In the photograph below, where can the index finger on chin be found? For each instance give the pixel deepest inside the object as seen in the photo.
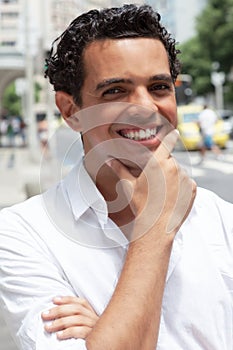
(167, 144)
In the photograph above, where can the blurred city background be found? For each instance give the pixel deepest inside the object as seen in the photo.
(29, 117)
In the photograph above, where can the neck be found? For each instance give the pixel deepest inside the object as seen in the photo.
(109, 186)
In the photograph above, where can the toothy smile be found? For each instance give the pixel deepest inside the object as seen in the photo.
(139, 134)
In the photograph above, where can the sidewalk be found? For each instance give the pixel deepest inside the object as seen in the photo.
(17, 170)
(7, 342)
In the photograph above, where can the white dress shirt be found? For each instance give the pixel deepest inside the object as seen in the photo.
(63, 243)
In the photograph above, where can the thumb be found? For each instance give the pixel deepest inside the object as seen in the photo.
(167, 144)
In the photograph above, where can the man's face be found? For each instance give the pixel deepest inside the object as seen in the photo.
(127, 85)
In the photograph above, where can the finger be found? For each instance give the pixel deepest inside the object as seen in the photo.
(59, 300)
(162, 152)
(74, 332)
(167, 145)
(67, 310)
(186, 196)
(72, 300)
(70, 321)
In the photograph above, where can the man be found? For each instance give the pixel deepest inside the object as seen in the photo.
(207, 120)
(125, 230)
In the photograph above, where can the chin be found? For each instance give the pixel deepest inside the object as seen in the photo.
(135, 168)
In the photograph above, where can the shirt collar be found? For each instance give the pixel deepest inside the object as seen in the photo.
(83, 194)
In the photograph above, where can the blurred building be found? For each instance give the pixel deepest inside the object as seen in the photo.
(180, 17)
(48, 18)
(30, 25)
(36, 23)
(10, 11)
(44, 16)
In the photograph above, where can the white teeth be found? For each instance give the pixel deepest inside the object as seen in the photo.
(142, 134)
(136, 135)
(148, 133)
(139, 135)
(131, 135)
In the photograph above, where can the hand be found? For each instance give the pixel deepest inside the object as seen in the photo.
(73, 317)
(162, 195)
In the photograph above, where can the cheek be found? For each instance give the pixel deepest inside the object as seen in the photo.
(169, 111)
(96, 135)
(174, 120)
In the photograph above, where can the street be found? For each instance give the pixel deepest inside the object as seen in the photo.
(217, 176)
(213, 174)
(17, 170)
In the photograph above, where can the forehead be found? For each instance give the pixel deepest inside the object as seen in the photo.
(116, 57)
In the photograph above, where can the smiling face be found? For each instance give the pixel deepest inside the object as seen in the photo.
(134, 71)
(128, 99)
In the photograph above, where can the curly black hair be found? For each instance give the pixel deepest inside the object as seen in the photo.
(65, 67)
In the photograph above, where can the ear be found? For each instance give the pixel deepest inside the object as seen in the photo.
(69, 110)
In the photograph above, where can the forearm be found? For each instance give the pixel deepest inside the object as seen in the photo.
(131, 320)
(162, 198)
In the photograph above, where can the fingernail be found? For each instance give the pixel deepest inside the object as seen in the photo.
(60, 334)
(57, 299)
(46, 312)
(48, 326)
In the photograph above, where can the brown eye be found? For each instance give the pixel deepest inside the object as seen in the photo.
(112, 91)
(160, 87)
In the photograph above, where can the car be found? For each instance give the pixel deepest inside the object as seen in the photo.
(190, 136)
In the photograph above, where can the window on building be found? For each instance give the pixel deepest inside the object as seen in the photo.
(6, 43)
(8, 27)
(9, 14)
(8, 1)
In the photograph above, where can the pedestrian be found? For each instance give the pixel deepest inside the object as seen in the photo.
(125, 252)
(23, 127)
(207, 120)
(10, 132)
(42, 129)
(1, 133)
(3, 130)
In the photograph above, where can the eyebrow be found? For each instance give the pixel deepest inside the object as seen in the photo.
(164, 77)
(105, 83)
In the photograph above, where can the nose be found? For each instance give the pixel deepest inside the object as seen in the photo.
(141, 105)
(142, 97)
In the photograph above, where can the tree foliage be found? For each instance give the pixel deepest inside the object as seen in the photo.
(11, 101)
(212, 43)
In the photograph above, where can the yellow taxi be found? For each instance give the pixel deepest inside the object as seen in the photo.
(189, 130)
